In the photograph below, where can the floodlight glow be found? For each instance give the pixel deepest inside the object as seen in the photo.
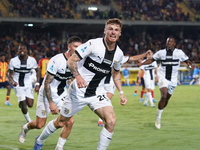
(92, 8)
(30, 25)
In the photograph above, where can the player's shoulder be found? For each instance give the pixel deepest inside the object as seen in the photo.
(178, 50)
(59, 58)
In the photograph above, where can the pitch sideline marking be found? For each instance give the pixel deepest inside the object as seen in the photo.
(3, 146)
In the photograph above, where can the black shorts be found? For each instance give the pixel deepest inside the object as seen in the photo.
(4, 84)
(142, 81)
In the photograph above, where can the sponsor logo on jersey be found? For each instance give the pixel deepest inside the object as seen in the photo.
(106, 61)
(149, 68)
(23, 66)
(168, 57)
(98, 68)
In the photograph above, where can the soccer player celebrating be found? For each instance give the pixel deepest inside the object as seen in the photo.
(3, 81)
(53, 91)
(150, 72)
(98, 57)
(170, 58)
(21, 66)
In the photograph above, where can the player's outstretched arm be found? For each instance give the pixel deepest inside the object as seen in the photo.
(149, 61)
(137, 57)
(72, 65)
(117, 80)
(189, 63)
(49, 78)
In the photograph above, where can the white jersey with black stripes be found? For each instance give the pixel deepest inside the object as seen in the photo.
(170, 63)
(97, 62)
(22, 70)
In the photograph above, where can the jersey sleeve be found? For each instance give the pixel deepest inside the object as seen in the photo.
(117, 65)
(35, 65)
(52, 66)
(125, 59)
(11, 65)
(156, 56)
(84, 49)
(184, 57)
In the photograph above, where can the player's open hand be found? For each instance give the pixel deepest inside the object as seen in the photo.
(36, 89)
(53, 108)
(123, 99)
(149, 52)
(81, 82)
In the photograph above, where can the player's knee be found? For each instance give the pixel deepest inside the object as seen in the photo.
(70, 123)
(39, 126)
(163, 97)
(111, 121)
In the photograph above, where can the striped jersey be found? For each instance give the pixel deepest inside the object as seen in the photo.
(149, 70)
(22, 70)
(43, 66)
(170, 62)
(97, 62)
(3, 70)
(57, 67)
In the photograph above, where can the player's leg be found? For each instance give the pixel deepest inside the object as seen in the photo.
(50, 128)
(108, 115)
(136, 87)
(7, 85)
(64, 133)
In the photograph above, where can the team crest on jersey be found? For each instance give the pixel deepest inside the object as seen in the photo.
(43, 112)
(83, 49)
(115, 62)
(28, 65)
(175, 56)
(66, 111)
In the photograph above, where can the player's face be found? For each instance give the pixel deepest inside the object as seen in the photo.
(170, 43)
(22, 50)
(112, 32)
(73, 46)
(2, 58)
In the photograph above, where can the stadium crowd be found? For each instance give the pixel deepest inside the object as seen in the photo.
(131, 43)
(129, 10)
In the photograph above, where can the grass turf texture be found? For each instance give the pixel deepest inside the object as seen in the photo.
(180, 124)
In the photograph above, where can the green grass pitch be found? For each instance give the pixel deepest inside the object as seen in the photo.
(134, 130)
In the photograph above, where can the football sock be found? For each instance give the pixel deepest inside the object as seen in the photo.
(142, 93)
(104, 139)
(7, 97)
(150, 98)
(152, 94)
(25, 127)
(61, 142)
(100, 120)
(48, 130)
(27, 117)
(135, 92)
(159, 113)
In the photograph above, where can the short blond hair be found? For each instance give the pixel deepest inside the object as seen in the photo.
(114, 21)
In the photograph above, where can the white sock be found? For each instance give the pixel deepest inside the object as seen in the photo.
(150, 98)
(61, 142)
(27, 117)
(48, 130)
(25, 127)
(159, 113)
(100, 120)
(146, 100)
(104, 139)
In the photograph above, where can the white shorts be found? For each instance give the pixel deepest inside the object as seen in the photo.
(162, 82)
(76, 102)
(195, 76)
(23, 92)
(42, 109)
(110, 88)
(149, 84)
